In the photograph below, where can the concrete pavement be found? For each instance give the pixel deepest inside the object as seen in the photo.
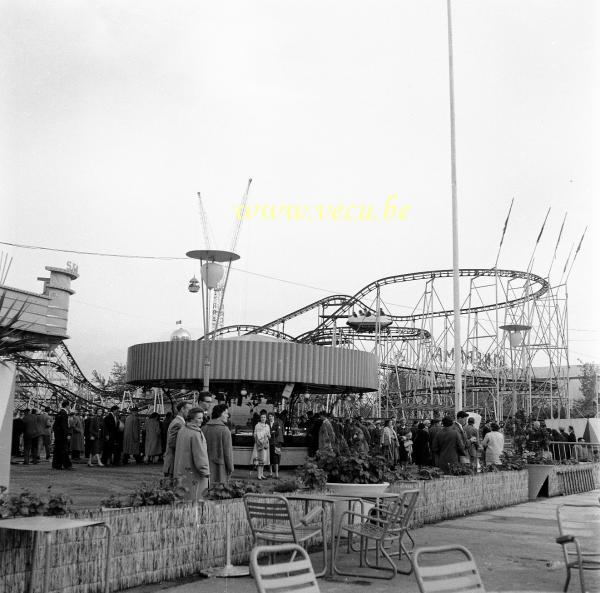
(514, 549)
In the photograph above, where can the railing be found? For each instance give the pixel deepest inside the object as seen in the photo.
(562, 450)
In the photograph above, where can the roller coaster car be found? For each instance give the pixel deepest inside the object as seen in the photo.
(368, 323)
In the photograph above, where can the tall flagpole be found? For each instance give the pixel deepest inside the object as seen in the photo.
(458, 403)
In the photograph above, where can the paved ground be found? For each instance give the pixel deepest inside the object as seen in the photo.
(514, 549)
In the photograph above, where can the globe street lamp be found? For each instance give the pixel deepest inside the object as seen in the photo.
(516, 333)
(211, 272)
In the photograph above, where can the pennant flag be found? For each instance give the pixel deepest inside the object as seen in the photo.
(543, 225)
(581, 241)
(562, 226)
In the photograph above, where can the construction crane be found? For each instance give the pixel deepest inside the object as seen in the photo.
(218, 311)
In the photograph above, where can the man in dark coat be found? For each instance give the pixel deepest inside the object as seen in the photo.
(111, 438)
(312, 433)
(434, 428)
(448, 445)
(31, 437)
(219, 445)
(60, 458)
(459, 426)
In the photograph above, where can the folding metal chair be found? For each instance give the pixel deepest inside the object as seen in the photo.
(294, 574)
(456, 577)
(271, 522)
(579, 536)
(384, 525)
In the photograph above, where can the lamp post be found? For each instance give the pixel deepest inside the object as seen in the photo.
(516, 333)
(211, 272)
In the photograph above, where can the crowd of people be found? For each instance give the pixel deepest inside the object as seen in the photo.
(197, 449)
(194, 449)
(440, 442)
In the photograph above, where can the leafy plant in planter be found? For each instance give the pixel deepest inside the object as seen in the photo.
(112, 502)
(165, 491)
(287, 486)
(233, 489)
(460, 469)
(311, 475)
(354, 468)
(30, 504)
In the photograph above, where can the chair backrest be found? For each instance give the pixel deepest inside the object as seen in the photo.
(268, 509)
(456, 577)
(399, 513)
(583, 522)
(295, 573)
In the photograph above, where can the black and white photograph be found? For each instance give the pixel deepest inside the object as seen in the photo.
(299, 297)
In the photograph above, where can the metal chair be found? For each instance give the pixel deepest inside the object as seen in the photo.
(272, 522)
(456, 577)
(384, 525)
(295, 574)
(579, 536)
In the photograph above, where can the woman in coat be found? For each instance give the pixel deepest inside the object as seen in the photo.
(76, 426)
(389, 443)
(219, 445)
(153, 442)
(190, 467)
(96, 437)
(260, 453)
(131, 435)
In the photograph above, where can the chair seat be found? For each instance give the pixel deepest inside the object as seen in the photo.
(278, 533)
(369, 530)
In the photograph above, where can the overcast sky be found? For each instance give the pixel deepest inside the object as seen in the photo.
(114, 114)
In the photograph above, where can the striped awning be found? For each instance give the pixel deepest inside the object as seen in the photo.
(316, 368)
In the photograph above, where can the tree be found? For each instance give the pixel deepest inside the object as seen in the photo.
(116, 379)
(589, 389)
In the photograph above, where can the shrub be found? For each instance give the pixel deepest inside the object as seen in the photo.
(233, 489)
(164, 491)
(30, 504)
(287, 486)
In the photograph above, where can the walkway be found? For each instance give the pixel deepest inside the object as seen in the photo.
(514, 548)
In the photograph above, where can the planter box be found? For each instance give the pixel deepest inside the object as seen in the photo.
(456, 496)
(545, 480)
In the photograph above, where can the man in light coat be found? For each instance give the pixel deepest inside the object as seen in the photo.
(472, 435)
(219, 445)
(191, 467)
(182, 409)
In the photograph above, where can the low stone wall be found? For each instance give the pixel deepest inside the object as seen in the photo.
(456, 496)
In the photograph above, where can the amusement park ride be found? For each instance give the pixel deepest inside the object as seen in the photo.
(514, 353)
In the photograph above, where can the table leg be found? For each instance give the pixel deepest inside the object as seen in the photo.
(332, 545)
(34, 560)
(48, 541)
(107, 559)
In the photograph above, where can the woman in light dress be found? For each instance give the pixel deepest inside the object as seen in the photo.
(493, 445)
(260, 453)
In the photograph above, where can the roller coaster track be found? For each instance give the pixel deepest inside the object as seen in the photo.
(247, 330)
(72, 384)
(430, 275)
